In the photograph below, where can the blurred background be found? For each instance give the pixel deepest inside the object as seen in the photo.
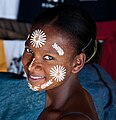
(16, 17)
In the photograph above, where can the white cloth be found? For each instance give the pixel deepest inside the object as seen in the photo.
(9, 9)
(13, 53)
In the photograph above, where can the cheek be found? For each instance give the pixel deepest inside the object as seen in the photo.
(56, 75)
(26, 60)
(23, 60)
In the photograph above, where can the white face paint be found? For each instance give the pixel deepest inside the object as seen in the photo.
(38, 38)
(29, 68)
(43, 86)
(28, 36)
(58, 49)
(58, 73)
(35, 88)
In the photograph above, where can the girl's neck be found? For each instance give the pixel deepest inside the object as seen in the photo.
(57, 97)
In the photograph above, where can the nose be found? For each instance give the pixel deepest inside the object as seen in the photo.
(35, 65)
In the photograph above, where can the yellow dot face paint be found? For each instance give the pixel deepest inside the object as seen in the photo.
(38, 38)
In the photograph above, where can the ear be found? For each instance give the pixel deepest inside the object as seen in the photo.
(78, 62)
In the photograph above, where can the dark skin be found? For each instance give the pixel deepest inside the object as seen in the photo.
(65, 96)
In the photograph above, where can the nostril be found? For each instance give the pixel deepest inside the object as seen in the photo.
(35, 67)
(38, 67)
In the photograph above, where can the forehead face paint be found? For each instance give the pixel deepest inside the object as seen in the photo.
(38, 38)
(28, 36)
(58, 73)
(58, 49)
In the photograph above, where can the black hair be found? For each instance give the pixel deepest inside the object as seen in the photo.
(75, 22)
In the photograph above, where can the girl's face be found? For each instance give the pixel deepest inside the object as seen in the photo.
(47, 59)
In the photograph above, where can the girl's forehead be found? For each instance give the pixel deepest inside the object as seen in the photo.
(49, 38)
(50, 35)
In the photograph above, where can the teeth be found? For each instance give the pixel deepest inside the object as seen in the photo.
(37, 77)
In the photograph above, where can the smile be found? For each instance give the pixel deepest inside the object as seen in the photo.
(37, 77)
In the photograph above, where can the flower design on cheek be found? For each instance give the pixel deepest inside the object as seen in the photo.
(38, 38)
(58, 73)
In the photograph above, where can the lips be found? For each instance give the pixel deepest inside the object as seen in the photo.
(36, 78)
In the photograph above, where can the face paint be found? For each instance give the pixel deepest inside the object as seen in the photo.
(35, 88)
(29, 68)
(58, 73)
(43, 86)
(38, 38)
(28, 36)
(58, 49)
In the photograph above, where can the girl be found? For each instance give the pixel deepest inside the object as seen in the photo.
(61, 41)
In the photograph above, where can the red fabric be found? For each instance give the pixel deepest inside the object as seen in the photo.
(106, 31)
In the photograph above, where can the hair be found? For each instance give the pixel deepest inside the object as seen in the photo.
(76, 23)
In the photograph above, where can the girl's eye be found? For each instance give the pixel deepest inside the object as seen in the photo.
(47, 57)
(28, 50)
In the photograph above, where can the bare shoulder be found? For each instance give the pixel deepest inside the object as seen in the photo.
(75, 117)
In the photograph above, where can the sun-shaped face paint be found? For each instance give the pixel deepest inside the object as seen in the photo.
(58, 73)
(38, 38)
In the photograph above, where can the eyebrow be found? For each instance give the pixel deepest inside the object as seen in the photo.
(51, 51)
(47, 51)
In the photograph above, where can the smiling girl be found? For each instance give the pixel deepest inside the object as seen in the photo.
(61, 41)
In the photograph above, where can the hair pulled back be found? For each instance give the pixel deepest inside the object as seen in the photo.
(76, 23)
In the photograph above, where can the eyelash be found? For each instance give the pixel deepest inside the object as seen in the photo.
(28, 50)
(48, 57)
